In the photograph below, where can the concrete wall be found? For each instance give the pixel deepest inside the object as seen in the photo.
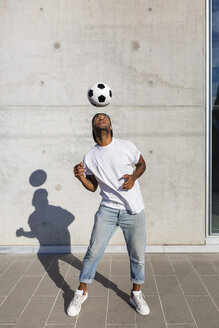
(152, 54)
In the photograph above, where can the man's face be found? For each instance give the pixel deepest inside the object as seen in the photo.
(102, 122)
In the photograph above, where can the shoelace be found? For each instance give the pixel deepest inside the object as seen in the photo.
(140, 299)
(76, 300)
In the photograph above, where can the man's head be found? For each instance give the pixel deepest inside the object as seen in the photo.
(40, 198)
(101, 121)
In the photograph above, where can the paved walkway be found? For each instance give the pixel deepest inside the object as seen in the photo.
(182, 291)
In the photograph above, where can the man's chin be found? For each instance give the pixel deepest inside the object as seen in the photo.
(102, 128)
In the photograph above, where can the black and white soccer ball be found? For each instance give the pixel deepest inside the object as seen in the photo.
(99, 94)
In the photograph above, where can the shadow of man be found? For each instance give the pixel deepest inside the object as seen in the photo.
(49, 224)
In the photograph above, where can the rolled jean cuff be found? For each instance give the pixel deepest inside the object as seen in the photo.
(139, 282)
(86, 281)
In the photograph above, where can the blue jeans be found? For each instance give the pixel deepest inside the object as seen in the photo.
(106, 222)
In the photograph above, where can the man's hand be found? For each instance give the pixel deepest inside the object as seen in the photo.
(88, 181)
(130, 179)
(129, 182)
(20, 232)
(79, 171)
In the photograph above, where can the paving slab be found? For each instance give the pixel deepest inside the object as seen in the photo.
(20, 257)
(40, 265)
(2, 298)
(99, 286)
(189, 280)
(155, 319)
(182, 326)
(149, 287)
(212, 256)
(120, 326)
(161, 264)
(93, 313)
(177, 257)
(58, 313)
(36, 313)
(11, 276)
(4, 264)
(174, 304)
(216, 265)
(17, 300)
(104, 265)
(120, 265)
(202, 264)
(212, 285)
(53, 280)
(119, 309)
(75, 267)
(204, 311)
(61, 326)
(40, 292)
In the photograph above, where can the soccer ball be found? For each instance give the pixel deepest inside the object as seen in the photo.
(99, 94)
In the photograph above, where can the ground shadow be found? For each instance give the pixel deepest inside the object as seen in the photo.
(49, 224)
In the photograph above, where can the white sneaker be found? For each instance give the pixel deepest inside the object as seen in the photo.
(75, 306)
(137, 300)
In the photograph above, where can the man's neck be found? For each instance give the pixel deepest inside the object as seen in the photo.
(103, 139)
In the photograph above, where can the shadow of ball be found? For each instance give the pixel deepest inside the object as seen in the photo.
(38, 178)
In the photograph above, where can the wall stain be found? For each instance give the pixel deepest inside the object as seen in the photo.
(56, 45)
(135, 45)
(58, 187)
(156, 80)
(150, 83)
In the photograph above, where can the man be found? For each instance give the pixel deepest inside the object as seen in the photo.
(109, 164)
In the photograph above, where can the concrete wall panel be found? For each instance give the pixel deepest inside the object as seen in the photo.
(55, 139)
(151, 53)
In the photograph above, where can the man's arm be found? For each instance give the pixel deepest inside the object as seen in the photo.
(29, 234)
(130, 179)
(89, 182)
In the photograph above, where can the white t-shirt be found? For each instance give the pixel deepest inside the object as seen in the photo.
(108, 164)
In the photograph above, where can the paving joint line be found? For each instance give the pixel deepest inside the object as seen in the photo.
(4, 297)
(181, 324)
(107, 302)
(17, 282)
(30, 299)
(7, 268)
(204, 285)
(121, 324)
(183, 292)
(59, 324)
(56, 297)
(35, 288)
(165, 275)
(161, 305)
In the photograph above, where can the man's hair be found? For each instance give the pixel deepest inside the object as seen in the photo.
(94, 137)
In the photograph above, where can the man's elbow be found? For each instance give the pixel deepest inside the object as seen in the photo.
(144, 166)
(95, 188)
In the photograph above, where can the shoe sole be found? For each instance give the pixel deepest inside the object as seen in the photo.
(74, 315)
(134, 305)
